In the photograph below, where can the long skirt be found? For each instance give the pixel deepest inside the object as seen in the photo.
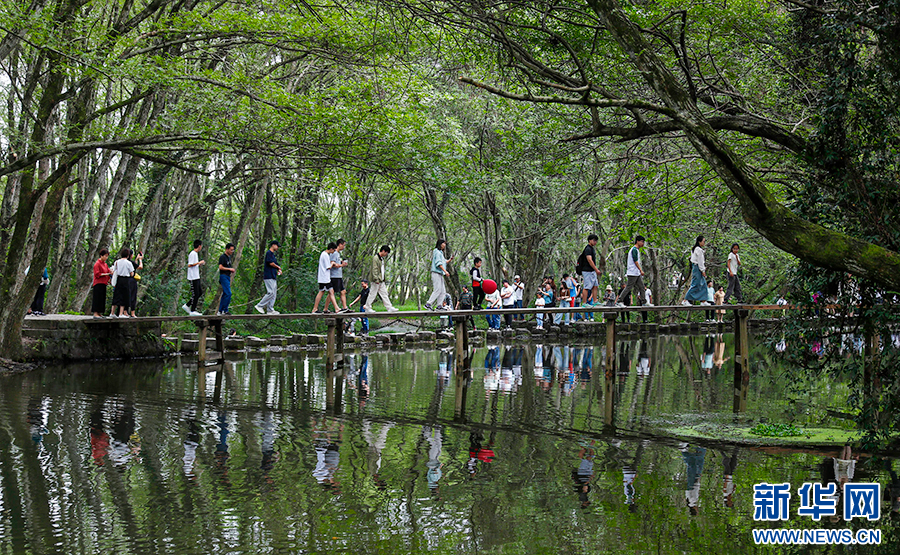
(122, 292)
(98, 300)
(698, 291)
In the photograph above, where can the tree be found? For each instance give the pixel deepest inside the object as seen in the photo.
(669, 77)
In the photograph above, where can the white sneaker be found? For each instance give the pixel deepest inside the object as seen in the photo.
(185, 308)
(260, 309)
(686, 303)
(620, 305)
(195, 313)
(706, 303)
(369, 310)
(393, 309)
(275, 312)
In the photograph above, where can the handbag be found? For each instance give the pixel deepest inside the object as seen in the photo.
(115, 276)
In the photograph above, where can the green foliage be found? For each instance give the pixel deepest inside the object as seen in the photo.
(766, 429)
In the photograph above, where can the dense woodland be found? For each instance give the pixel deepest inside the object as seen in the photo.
(512, 129)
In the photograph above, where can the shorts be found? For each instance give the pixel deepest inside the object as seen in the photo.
(324, 287)
(590, 280)
(337, 283)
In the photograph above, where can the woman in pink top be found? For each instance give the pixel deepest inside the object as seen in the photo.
(101, 280)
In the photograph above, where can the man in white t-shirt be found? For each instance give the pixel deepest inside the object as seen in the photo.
(634, 272)
(193, 275)
(324, 278)
(519, 296)
(734, 284)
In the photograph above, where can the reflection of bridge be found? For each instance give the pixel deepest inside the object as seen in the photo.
(335, 336)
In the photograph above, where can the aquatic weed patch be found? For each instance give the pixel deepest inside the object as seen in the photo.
(776, 430)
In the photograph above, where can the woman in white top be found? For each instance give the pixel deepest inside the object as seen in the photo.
(123, 273)
(697, 292)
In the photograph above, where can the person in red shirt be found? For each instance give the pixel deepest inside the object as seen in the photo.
(101, 280)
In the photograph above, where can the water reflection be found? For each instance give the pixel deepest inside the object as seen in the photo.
(283, 455)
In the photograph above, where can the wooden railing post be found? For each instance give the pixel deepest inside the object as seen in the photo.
(220, 339)
(201, 344)
(741, 359)
(330, 343)
(462, 341)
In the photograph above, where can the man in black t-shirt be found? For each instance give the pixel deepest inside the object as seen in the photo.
(590, 274)
(226, 274)
(361, 299)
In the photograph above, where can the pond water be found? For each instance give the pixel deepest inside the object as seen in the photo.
(534, 450)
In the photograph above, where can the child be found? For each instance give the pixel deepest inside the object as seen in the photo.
(363, 297)
(477, 291)
(720, 300)
(539, 303)
(710, 297)
(563, 302)
(465, 303)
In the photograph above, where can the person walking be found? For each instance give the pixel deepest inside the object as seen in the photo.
(377, 281)
(326, 264)
(337, 276)
(101, 281)
(226, 274)
(697, 291)
(271, 271)
(634, 274)
(590, 274)
(123, 274)
(361, 299)
(477, 280)
(193, 275)
(508, 300)
(710, 298)
(438, 273)
(734, 284)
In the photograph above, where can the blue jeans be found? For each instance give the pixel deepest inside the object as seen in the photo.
(518, 304)
(225, 282)
(365, 321)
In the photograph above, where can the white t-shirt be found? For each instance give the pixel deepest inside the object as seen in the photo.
(511, 299)
(733, 261)
(633, 269)
(493, 299)
(324, 275)
(699, 258)
(123, 267)
(648, 297)
(520, 290)
(193, 271)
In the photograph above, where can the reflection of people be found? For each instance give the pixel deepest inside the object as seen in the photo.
(376, 445)
(893, 490)
(221, 455)
(583, 475)
(269, 456)
(327, 453)
(99, 438)
(125, 442)
(728, 466)
(643, 367)
(433, 437)
(694, 458)
(708, 351)
(845, 466)
(191, 442)
(478, 453)
(719, 357)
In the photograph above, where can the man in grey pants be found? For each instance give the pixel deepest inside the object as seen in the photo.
(634, 273)
(271, 271)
